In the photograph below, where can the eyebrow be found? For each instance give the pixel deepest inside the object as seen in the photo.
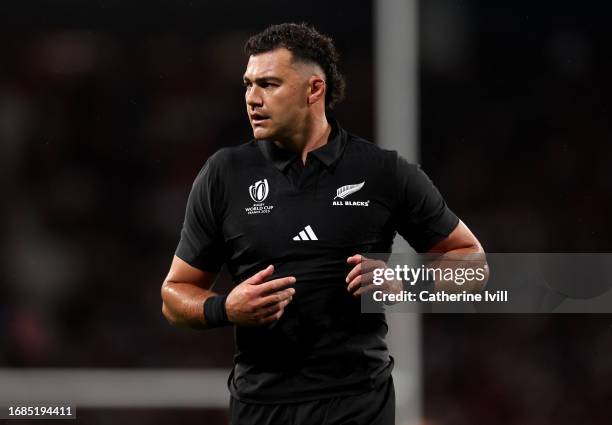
(264, 79)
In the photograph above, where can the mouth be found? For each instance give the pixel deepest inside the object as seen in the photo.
(258, 119)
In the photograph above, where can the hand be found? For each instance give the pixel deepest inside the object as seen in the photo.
(361, 278)
(256, 302)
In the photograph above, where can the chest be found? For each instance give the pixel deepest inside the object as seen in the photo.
(314, 211)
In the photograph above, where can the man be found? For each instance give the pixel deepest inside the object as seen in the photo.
(290, 212)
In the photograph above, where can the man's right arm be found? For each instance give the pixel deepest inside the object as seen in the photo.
(256, 301)
(183, 294)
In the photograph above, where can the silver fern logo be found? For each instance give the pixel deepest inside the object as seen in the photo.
(343, 192)
(259, 190)
(347, 190)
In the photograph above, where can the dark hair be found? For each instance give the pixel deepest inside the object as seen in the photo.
(306, 44)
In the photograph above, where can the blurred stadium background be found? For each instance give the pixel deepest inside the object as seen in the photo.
(107, 112)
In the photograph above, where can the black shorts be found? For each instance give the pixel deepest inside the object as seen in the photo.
(376, 407)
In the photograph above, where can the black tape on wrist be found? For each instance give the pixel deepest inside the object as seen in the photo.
(214, 311)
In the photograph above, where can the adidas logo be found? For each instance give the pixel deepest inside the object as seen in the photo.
(306, 235)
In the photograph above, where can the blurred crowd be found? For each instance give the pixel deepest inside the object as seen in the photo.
(515, 129)
(102, 133)
(102, 138)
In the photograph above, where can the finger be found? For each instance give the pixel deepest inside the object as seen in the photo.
(276, 284)
(365, 290)
(275, 298)
(354, 259)
(361, 280)
(355, 271)
(272, 318)
(273, 309)
(365, 266)
(370, 265)
(261, 276)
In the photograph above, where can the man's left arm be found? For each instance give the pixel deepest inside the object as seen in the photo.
(422, 217)
(460, 249)
(460, 241)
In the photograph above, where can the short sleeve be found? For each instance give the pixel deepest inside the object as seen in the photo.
(422, 216)
(201, 243)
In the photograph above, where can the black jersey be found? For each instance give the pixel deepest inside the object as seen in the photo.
(257, 204)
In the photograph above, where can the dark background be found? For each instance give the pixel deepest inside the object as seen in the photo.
(108, 111)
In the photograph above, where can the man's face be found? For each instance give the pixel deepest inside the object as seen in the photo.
(276, 95)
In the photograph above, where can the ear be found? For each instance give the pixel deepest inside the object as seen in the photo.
(317, 88)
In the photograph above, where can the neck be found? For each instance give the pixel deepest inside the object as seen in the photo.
(313, 136)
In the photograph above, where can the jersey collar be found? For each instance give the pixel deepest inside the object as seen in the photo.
(328, 154)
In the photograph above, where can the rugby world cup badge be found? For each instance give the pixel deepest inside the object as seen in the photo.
(258, 192)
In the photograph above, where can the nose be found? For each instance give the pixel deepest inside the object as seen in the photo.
(253, 97)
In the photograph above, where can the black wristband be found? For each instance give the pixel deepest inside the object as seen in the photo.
(214, 311)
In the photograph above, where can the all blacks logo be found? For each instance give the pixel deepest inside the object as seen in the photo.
(259, 192)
